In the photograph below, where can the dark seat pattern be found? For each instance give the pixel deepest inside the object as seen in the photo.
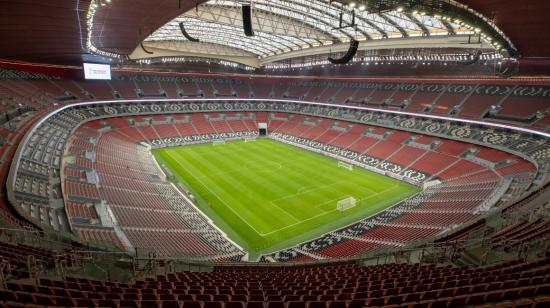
(522, 284)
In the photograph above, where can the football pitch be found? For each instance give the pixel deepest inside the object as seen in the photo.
(267, 195)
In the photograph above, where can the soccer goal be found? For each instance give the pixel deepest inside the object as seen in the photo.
(251, 139)
(345, 204)
(218, 142)
(344, 165)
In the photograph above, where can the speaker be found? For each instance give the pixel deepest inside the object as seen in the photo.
(145, 50)
(187, 36)
(353, 46)
(247, 20)
(474, 58)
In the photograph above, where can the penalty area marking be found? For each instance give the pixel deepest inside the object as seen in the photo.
(215, 195)
(327, 212)
(285, 227)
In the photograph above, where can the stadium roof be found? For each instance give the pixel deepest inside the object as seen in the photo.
(290, 27)
(61, 31)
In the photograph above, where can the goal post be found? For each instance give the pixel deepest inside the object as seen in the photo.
(250, 139)
(344, 165)
(218, 142)
(346, 204)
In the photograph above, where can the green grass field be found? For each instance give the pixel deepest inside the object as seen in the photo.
(268, 195)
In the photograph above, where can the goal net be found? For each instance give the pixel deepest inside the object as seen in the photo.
(344, 165)
(345, 204)
(218, 142)
(252, 139)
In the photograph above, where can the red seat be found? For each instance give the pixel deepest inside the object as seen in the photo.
(90, 303)
(191, 304)
(337, 304)
(476, 299)
(233, 304)
(150, 304)
(185, 297)
(493, 296)
(24, 298)
(393, 300)
(306, 298)
(7, 296)
(439, 303)
(316, 304)
(459, 301)
(253, 304)
(296, 304)
(541, 302)
(277, 304)
(523, 303)
(238, 298)
(93, 295)
(106, 303)
(543, 290)
(413, 297)
(149, 297)
(171, 304)
(212, 304)
(379, 301)
(64, 302)
(167, 297)
(327, 298)
(221, 297)
(130, 296)
(357, 303)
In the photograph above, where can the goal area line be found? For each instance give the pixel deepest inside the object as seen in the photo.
(345, 165)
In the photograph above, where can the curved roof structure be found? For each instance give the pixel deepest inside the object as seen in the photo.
(61, 32)
(285, 29)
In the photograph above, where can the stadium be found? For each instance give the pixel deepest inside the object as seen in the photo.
(274, 154)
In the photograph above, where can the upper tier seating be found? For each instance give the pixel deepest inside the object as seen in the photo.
(463, 100)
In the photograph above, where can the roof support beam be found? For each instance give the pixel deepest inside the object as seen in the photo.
(396, 25)
(450, 28)
(425, 31)
(275, 26)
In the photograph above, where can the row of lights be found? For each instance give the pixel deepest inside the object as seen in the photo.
(194, 60)
(477, 30)
(376, 60)
(361, 7)
(92, 11)
(95, 4)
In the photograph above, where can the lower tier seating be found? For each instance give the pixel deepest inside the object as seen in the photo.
(511, 284)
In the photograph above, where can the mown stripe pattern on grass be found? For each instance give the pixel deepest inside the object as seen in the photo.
(268, 195)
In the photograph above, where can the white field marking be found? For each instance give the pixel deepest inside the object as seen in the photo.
(307, 189)
(211, 153)
(246, 166)
(285, 227)
(227, 205)
(324, 213)
(287, 213)
(318, 206)
(274, 202)
(217, 197)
